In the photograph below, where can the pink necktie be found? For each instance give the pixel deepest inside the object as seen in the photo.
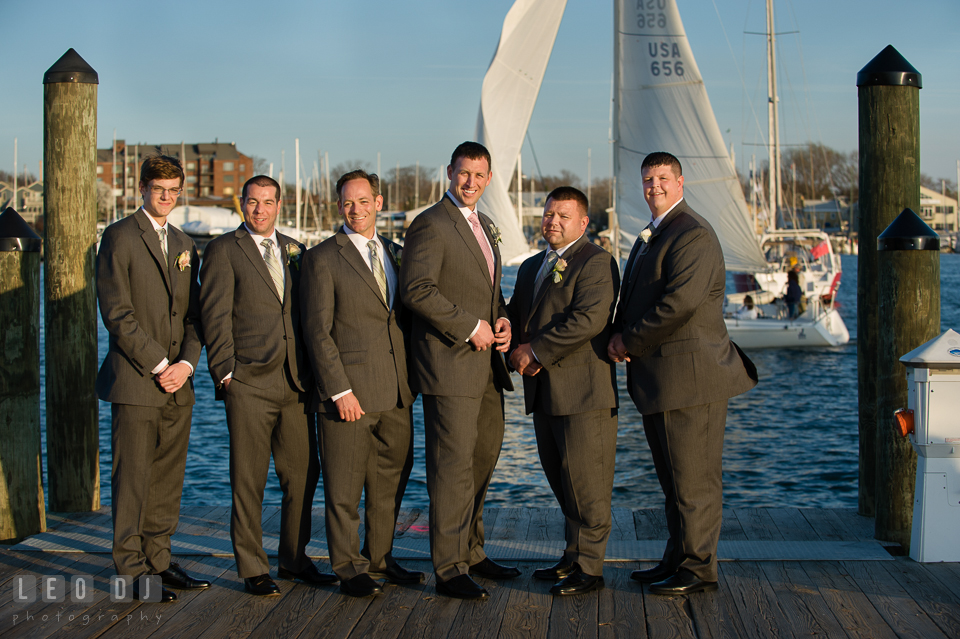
(482, 239)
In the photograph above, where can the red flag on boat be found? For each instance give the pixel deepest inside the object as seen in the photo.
(820, 250)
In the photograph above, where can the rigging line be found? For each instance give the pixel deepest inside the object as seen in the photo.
(535, 160)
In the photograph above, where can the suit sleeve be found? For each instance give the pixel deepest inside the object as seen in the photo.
(686, 288)
(589, 311)
(116, 304)
(317, 309)
(423, 258)
(192, 327)
(217, 283)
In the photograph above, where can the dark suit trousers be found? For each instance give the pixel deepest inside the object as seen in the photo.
(373, 454)
(463, 438)
(149, 456)
(261, 421)
(687, 447)
(577, 453)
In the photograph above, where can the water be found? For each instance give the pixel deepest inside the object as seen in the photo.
(792, 441)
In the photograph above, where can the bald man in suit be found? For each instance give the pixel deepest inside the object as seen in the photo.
(450, 280)
(250, 304)
(355, 329)
(148, 294)
(681, 370)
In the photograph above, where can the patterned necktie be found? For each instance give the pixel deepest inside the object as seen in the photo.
(162, 232)
(378, 273)
(273, 265)
(474, 220)
(552, 257)
(643, 249)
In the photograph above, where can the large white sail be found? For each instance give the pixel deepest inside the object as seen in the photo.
(661, 104)
(509, 94)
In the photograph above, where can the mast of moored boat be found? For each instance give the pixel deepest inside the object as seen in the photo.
(773, 122)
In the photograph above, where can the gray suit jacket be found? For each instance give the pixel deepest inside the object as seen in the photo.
(671, 317)
(150, 308)
(567, 324)
(249, 330)
(354, 340)
(445, 282)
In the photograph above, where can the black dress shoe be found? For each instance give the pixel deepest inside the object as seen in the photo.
(682, 583)
(653, 575)
(360, 586)
(397, 574)
(492, 570)
(462, 587)
(555, 573)
(577, 583)
(261, 585)
(166, 596)
(176, 577)
(309, 575)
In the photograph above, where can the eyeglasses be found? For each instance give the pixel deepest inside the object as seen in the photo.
(159, 190)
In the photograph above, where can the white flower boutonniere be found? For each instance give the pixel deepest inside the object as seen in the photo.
(645, 235)
(395, 252)
(183, 260)
(496, 235)
(293, 255)
(558, 270)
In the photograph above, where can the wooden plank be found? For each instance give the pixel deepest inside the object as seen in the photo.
(512, 523)
(433, 615)
(215, 522)
(714, 613)
(621, 611)
(651, 523)
(420, 528)
(862, 528)
(948, 574)
(730, 528)
(847, 603)
(940, 603)
(892, 601)
(792, 525)
(194, 521)
(575, 616)
(755, 600)
(318, 522)
(802, 604)
(827, 524)
(482, 619)
(667, 617)
(757, 524)
(91, 522)
(623, 525)
(295, 611)
(390, 612)
(243, 612)
(527, 609)
(546, 524)
(336, 617)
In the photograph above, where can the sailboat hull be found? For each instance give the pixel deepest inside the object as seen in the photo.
(827, 329)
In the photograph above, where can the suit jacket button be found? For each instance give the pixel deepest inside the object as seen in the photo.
(174, 343)
(174, 313)
(391, 351)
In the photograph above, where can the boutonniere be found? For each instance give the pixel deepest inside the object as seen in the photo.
(558, 269)
(645, 235)
(293, 255)
(183, 260)
(395, 252)
(496, 235)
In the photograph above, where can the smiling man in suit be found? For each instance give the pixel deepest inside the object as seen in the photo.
(355, 330)
(450, 280)
(561, 311)
(148, 294)
(249, 297)
(681, 370)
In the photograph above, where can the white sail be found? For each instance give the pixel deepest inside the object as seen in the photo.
(509, 94)
(661, 104)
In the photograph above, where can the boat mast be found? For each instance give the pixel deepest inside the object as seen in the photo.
(773, 123)
(615, 135)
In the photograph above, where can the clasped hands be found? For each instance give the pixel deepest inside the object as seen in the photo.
(485, 337)
(616, 349)
(173, 377)
(523, 361)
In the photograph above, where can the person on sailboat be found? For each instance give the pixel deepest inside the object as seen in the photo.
(748, 311)
(794, 295)
(681, 370)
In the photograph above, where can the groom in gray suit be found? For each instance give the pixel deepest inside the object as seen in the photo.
(681, 370)
(148, 294)
(355, 328)
(450, 279)
(249, 298)
(561, 311)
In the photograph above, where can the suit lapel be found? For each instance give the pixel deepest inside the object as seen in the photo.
(352, 256)
(391, 260)
(569, 255)
(469, 239)
(252, 251)
(152, 241)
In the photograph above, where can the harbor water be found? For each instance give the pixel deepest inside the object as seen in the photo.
(792, 441)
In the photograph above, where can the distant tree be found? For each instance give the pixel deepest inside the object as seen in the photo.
(260, 166)
(935, 185)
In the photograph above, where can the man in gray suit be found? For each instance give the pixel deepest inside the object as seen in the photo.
(249, 299)
(355, 330)
(148, 294)
(450, 279)
(682, 368)
(561, 310)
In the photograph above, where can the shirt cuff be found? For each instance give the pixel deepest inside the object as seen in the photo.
(534, 353)
(227, 376)
(474, 331)
(189, 365)
(343, 394)
(159, 367)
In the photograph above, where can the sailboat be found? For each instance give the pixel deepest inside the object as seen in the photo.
(661, 104)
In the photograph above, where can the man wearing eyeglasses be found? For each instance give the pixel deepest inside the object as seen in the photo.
(149, 301)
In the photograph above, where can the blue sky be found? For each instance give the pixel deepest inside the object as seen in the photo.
(403, 78)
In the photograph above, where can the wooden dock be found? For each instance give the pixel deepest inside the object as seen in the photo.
(884, 596)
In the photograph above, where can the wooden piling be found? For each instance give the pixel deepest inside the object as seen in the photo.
(22, 511)
(70, 218)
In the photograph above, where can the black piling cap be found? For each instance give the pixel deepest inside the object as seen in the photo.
(889, 69)
(71, 68)
(16, 235)
(908, 233)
